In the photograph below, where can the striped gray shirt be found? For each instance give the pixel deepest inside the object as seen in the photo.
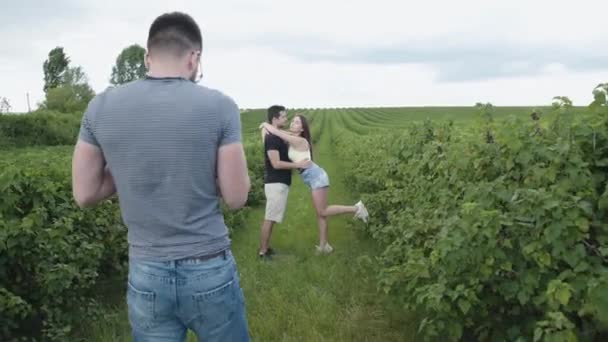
(160, 138)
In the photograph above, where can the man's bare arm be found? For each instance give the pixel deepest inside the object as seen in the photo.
(92, 181)
(232, 175)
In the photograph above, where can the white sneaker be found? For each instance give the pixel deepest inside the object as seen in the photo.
(325, 249)
(361, 212)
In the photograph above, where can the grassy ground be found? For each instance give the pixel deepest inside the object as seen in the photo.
(299, 296)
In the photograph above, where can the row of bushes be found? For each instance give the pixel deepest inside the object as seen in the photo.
(496, 232)
(53, 254)
(42, 128)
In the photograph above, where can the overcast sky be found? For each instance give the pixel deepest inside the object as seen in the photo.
(326, 53)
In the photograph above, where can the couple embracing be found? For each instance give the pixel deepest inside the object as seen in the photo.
(283, 152)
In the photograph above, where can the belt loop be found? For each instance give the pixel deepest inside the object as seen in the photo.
(225, 254)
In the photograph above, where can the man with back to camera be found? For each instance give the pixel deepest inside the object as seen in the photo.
(277, 178)
(170, 149)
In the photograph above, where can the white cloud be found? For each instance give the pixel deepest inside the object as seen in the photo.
(554, 68)
(382, 52)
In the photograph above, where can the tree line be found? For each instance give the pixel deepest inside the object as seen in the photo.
(67, 87)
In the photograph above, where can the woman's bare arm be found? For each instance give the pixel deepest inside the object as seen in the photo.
(298, 143)
(263, 132)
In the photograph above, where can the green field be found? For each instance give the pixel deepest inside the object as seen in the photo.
(483, 225)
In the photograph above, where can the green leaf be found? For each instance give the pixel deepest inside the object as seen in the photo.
(507, 266)
(582, 267)
(586, 207)
(522, 297)
(603, 202)
(583, 224)
(464, 305)
(538, 334)
(551, 204)
(563, 295)
(510, 164)
(544, 258)
(553, 232)
(558, 292)
(490, 260)
(598, 303)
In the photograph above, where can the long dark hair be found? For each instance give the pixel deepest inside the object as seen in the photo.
(306, 132)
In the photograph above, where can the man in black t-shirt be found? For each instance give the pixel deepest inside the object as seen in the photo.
(277, 177)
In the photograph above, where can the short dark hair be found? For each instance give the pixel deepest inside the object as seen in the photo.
(175, 32)
(274, 112)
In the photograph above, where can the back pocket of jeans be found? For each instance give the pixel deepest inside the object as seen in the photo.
(141, 306)
(217, 306)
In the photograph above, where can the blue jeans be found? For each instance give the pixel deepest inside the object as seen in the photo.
(165, 299)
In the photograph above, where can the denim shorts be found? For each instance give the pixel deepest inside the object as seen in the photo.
(166, 298)
(315, 177)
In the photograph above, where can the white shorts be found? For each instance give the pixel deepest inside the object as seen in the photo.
(276, 201)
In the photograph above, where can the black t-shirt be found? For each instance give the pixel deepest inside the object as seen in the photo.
(272, 175)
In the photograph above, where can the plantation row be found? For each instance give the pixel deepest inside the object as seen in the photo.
(495, 230)
(53, 254)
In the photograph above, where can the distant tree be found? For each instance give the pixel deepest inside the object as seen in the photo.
(561, 102)
(72, 95)
(5, 106)
(54, 68)
(600, 96)
(73, 76)
(129, 66)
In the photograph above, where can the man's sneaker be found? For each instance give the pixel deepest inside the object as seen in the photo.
(325, 249)
(270, 251)
(361, 212)
(267, 255)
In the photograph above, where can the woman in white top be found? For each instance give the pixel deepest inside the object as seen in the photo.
(300, 148)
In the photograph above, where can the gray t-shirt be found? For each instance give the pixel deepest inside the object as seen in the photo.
(160, 138)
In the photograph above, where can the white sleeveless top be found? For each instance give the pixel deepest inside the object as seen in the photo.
(297, 156)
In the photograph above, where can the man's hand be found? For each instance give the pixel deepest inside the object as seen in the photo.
(304, 164)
